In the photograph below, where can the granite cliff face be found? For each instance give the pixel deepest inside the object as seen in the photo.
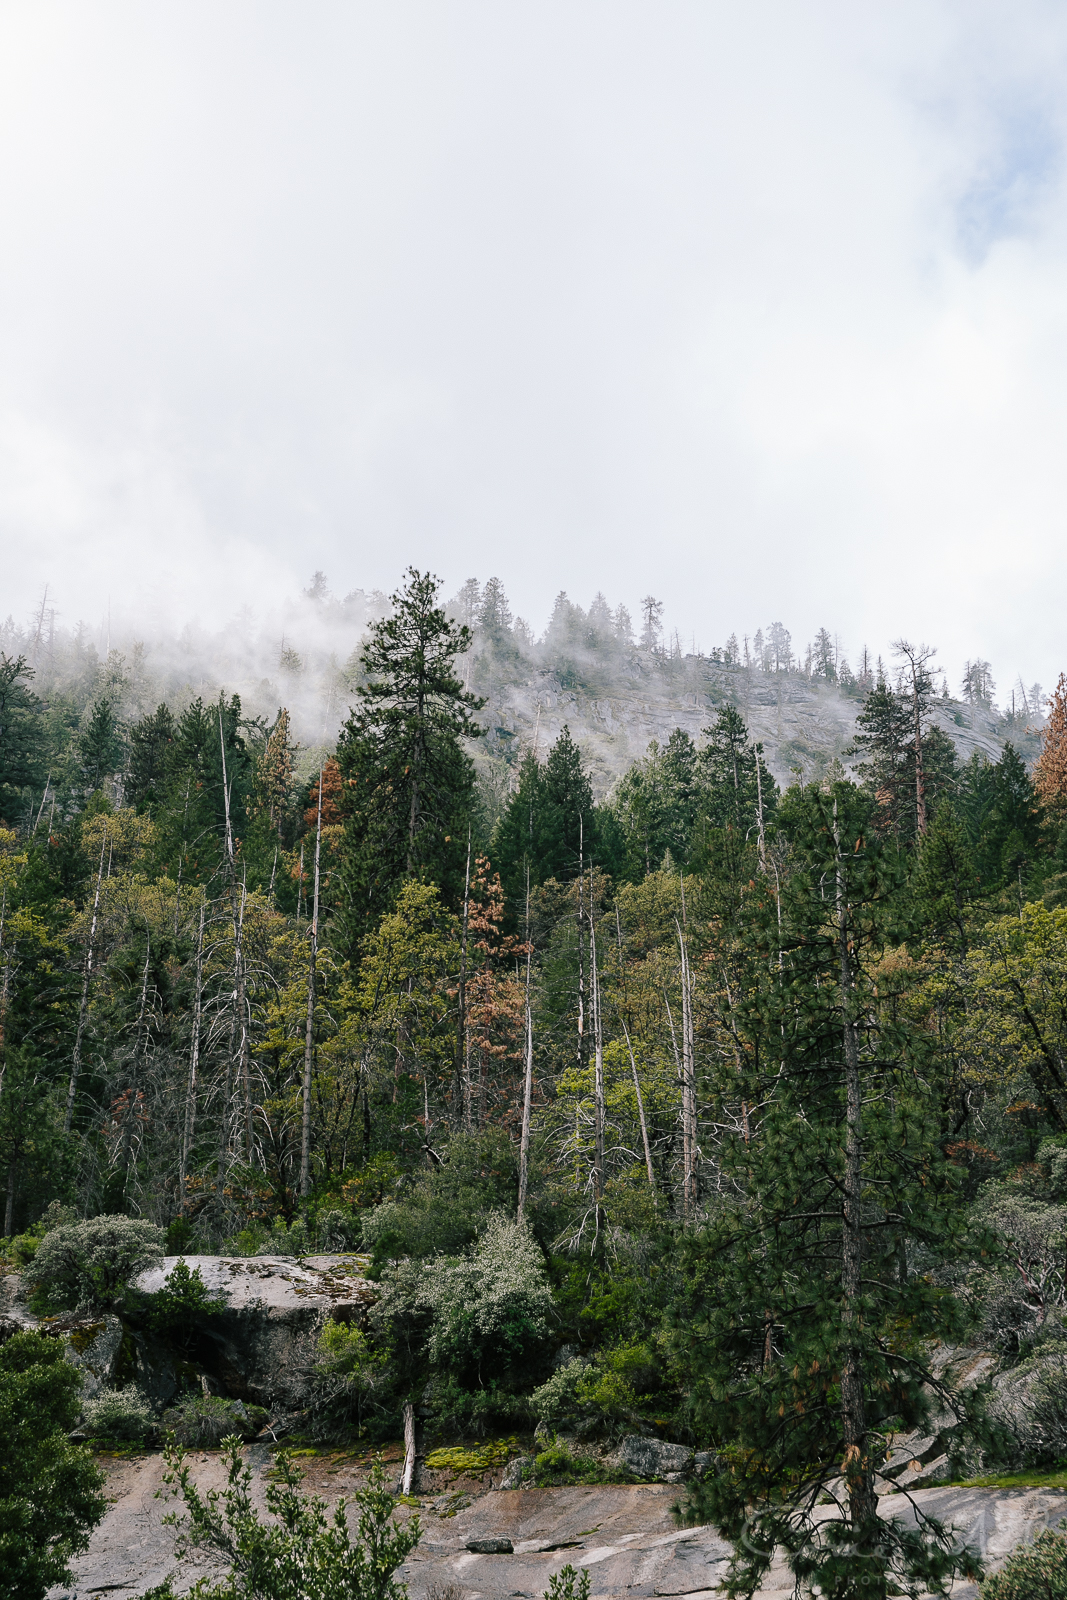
(614, 711)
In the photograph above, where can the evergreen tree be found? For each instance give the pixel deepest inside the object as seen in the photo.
(21, 740)
(655, 806)
(804, 1332)
(99, 748)
(1003, 820)
(151, 746)
(409, 782)
(567, 822)
(734, 779)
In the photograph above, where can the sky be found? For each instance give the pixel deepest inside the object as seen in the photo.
(761, 309)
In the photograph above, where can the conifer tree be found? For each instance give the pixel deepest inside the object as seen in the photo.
(408, 778)
(20, 737)
(804, 1332)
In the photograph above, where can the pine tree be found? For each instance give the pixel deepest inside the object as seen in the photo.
(151, 746)
(21, 742)
(734, 781)
(408, 779)
(99, 748)
(803, 1335)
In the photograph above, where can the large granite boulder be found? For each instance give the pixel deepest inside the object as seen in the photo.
(261, 1346)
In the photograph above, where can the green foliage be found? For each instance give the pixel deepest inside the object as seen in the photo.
(556, 1466)
(408, 781)
(444, 1208)
(50, 1490)
(21, 737)
(183, 1304)
(301, 1553)
(569, 1584)
(124, 1414)
(486, 1313)
(82, 1265)
(204, 1420)
(775, 1315)
(1036, 1572)
(351, 1375)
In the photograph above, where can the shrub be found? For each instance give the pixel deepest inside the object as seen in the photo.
(50, 1490)
(302, 1552)
(350, 1372)
(182, 1305)
(556, 1402)
(119, 1414)
(1036, 1572)
(85, 1265)
(444, 1209)
(205, 1420)
(569, 1584)
(595, 1396)
(556, 1465)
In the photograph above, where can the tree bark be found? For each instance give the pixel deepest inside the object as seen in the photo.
(83, 1010)
(856, 1467)
(194, 1066)
(309, 1036)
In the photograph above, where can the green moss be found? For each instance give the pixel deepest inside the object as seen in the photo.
(82, 1338)
(474, 1459)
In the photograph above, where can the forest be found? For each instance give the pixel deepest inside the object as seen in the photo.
(739, 1097)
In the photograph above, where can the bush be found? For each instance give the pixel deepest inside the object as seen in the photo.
(20, 1250)
(86, 1265)
(569, 1584)
(444, 1209)
(1036, 1572)
(182, 1305)
(205, 1420)
(119, 1414)
(556, 1402)
(302, 1552)
(596, 1397)
(50, 1490)
(556, 1465)
(349, 1375)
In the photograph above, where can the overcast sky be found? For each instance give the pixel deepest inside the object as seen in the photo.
(759, 307)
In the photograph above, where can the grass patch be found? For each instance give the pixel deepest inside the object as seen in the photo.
(1056, 1479)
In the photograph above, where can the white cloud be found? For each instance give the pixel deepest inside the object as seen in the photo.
(762, 308)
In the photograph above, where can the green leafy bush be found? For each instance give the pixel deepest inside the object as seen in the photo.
(50, 1490)
(85, 1265)
(182, 1305)
(556, 1465)
(1036, 1572)
(443, 1210)
(350, 1375)
(124, 1414)
(203, 1421)
(20, 1249)
(484, 1315)
(302, 1551)
(569, 1584)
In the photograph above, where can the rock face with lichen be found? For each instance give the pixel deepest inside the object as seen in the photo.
(261, 1346)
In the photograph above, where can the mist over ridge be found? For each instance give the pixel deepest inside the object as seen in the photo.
(617, 681)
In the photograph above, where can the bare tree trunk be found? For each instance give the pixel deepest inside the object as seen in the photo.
(407, 1481)
(135, 1083)
(581, 946)
(856, 1467)
(762, 837)
(83, 1010)
(244, 1043)
(688, 1082)
(598, 1093)
(463, 1088)
(641, 1113)
(309, 1038)
(194, 1066)
(527, 1099)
